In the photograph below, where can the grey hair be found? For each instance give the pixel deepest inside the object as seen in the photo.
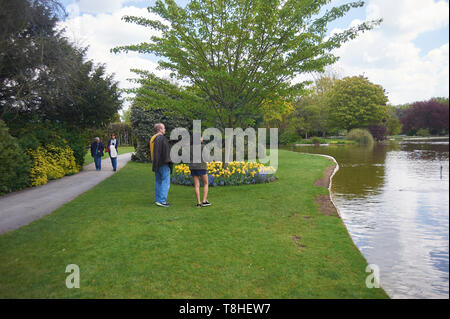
(97, 138)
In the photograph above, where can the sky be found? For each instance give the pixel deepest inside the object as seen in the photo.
(408, 54)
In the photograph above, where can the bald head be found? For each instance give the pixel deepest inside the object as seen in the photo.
(160, 128)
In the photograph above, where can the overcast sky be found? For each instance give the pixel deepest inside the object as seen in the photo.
(407, 55)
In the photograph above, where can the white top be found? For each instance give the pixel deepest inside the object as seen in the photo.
(112, 148)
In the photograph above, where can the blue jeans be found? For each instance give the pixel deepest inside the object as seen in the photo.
(113, 162)
(162, 184)
(98, 162)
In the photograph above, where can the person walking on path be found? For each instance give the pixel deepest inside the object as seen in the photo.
(199, 170)
(97, 153)
(162, 165)
(113, 151)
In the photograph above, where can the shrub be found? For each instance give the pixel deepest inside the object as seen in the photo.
(235, 173)
(14, 163)
(378, 132)
(51, 162)
(423, 132)
(316, 140)
(431, 115)
(143, 122)
(288, 138)
(35, 135)
(360, 136)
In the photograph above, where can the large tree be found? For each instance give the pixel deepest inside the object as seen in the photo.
(431, 115)
(239, 53)
(44, 77)
(355, 102)
(29, 51)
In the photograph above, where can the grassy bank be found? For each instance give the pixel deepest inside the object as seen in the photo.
(333, 141)
(122, 150)
(256, 241)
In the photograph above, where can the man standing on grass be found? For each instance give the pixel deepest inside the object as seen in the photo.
(162, 165)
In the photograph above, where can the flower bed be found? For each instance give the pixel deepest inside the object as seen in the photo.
(235, 173)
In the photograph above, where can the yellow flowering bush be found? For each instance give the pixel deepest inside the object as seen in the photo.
(220, 174)
(51, 162)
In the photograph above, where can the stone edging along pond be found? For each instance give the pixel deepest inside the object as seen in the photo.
(327, 182)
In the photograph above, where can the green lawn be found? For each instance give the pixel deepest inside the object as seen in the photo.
(325, 141)
(122, 150)
(256, 241)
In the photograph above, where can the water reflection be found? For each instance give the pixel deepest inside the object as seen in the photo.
(394, 201)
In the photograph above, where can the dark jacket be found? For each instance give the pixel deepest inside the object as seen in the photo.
(100, 149)
(161, 153)
(197, 166)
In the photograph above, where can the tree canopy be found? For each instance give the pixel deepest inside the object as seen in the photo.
(431, 115)
(238, 53)
(355, 102)
(44, 77)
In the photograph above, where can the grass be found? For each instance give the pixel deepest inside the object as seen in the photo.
(334, 141)
(256, 241)
(122, 150)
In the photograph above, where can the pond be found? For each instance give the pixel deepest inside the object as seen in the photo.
(394, 199)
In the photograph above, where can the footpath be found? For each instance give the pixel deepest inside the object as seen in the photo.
(21, 208)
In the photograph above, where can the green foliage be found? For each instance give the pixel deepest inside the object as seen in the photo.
(288, 137)
(361, 136)
(238, 53)
(143, 121)
(35, 135)
(313, 107)
(157, 93)
(392, 122)
(316, 140)
(124, 134)
(423, 132)
(14, 163)
(443, 100)
(356, 102)
(45, 78)
(126, 116)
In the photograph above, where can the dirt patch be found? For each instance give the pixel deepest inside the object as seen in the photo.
(325, 180)
(296, 240)
(324, 202)
(326, 206)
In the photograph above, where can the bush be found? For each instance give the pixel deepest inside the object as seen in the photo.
(288, 138)
(423, 132)
(51, 162)
(378, 132)
(316, 140)
(36, 135)
(14, 163)
(431, 115)
(143, 122)
(360, 136)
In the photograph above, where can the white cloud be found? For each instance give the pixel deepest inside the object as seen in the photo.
(97, 6)
(388, 55)
(104, 31)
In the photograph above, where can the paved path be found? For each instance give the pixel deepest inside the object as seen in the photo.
(21, 208)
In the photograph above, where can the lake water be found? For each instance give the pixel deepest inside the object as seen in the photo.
(395, 203)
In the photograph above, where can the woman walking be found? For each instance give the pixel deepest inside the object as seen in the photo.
(199, 170)
(113, 151)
